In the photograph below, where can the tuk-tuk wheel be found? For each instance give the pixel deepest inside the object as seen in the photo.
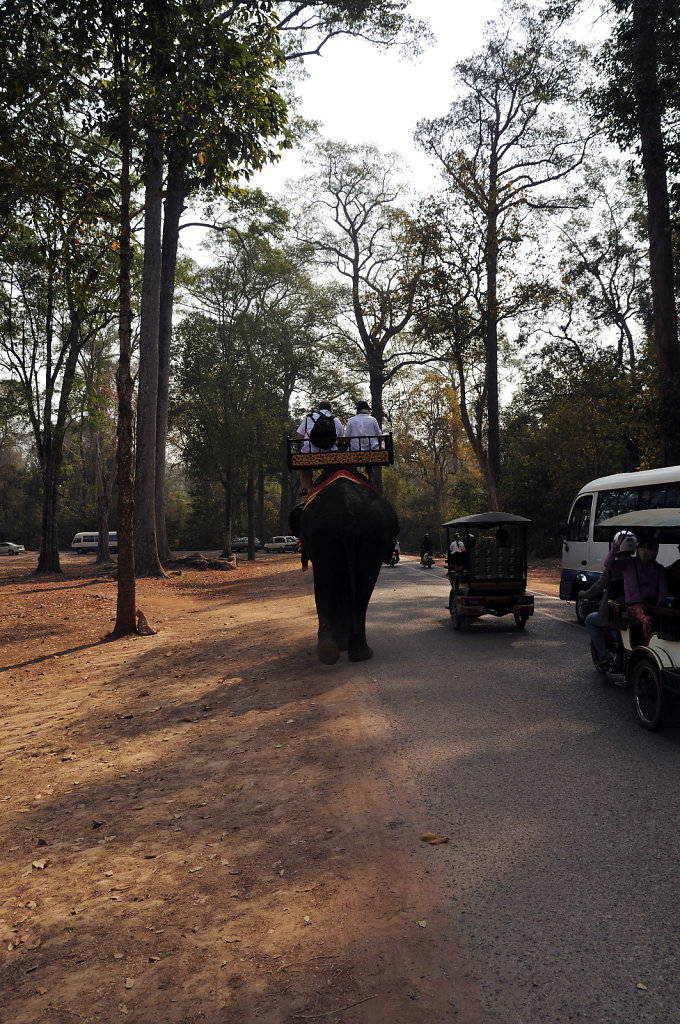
(647, 694)
(602, 669)
(458, 621)
(520, 620)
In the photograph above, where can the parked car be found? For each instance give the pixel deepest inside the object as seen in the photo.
(281, 544)
(8, 547)
(241, 543)
(83, 542)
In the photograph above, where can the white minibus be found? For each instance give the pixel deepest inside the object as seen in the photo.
(84, 542)
(585, 542)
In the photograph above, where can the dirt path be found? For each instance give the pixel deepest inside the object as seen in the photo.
(196, 825)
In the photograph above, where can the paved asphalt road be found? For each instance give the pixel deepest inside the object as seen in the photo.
(562, 868)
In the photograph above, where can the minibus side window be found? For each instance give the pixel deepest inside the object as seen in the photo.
(579, 521)
(607, 506)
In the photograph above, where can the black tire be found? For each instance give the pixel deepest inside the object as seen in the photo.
(520, 620)
(581, 608)
(602, 669)
(82, 551)
(456, 619)
(647, 694)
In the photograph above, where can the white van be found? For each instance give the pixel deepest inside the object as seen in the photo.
(585, 542)
(84, 542)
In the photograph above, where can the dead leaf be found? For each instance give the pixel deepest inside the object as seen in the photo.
(642, 987)
(231, 938)
(40, 865)
(129, 982)
(422, 924)
(433, 839)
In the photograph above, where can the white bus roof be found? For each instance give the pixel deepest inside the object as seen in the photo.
(666, 475)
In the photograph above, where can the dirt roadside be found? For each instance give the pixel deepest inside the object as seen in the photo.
(197, 825)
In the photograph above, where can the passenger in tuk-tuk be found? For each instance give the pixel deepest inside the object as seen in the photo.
(644, 579)
(458, 560)
(457, 551)
(673, 574)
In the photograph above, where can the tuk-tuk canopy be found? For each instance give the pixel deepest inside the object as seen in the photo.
(649, 518)
(486, 519)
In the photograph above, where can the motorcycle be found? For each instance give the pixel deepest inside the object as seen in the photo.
(394, 557)
(426, 560)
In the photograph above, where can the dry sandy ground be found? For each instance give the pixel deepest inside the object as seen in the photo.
(196, 825)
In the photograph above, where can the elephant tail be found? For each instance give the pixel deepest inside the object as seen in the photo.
(353, 553)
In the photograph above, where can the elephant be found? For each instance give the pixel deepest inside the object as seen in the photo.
(347, 530)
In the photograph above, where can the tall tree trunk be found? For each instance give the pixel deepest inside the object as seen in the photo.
(53, 453)
(259, 528)
(493, 473)
(227, 485)
(648, 101)
(102, 484)
(174, 207)
(376, 384)
(125, 609)
(250, 511)
(48, 559)
(147, 562)
(286, 498)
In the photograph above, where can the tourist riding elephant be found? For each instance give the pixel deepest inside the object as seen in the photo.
(348, 530)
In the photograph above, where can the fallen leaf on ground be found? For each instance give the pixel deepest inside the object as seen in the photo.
(433, 839)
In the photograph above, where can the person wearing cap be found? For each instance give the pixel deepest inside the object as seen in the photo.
(362, 433)
(303, 431)
(644, 579)
(363, 430)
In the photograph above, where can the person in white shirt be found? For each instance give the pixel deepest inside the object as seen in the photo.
(363, 430)
(325, 409)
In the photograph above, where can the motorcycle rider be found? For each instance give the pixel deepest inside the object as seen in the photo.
(425, 549)
(598, 622)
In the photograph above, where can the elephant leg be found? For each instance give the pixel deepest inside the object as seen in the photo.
(332, 612)
(358, 649)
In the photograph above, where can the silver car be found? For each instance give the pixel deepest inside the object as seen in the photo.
(281, 544)
(7, 547)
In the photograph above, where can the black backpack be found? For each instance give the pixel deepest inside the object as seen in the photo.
(323, 434)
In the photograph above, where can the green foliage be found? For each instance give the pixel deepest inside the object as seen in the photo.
(568, 423)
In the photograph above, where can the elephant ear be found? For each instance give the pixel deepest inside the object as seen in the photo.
(294, 518)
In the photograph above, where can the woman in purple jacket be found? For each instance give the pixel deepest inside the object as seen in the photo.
(644, 579)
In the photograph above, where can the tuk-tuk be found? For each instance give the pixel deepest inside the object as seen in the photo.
(651, 669)
(490, 576)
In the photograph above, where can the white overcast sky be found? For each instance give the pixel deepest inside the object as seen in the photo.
(363, 95)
